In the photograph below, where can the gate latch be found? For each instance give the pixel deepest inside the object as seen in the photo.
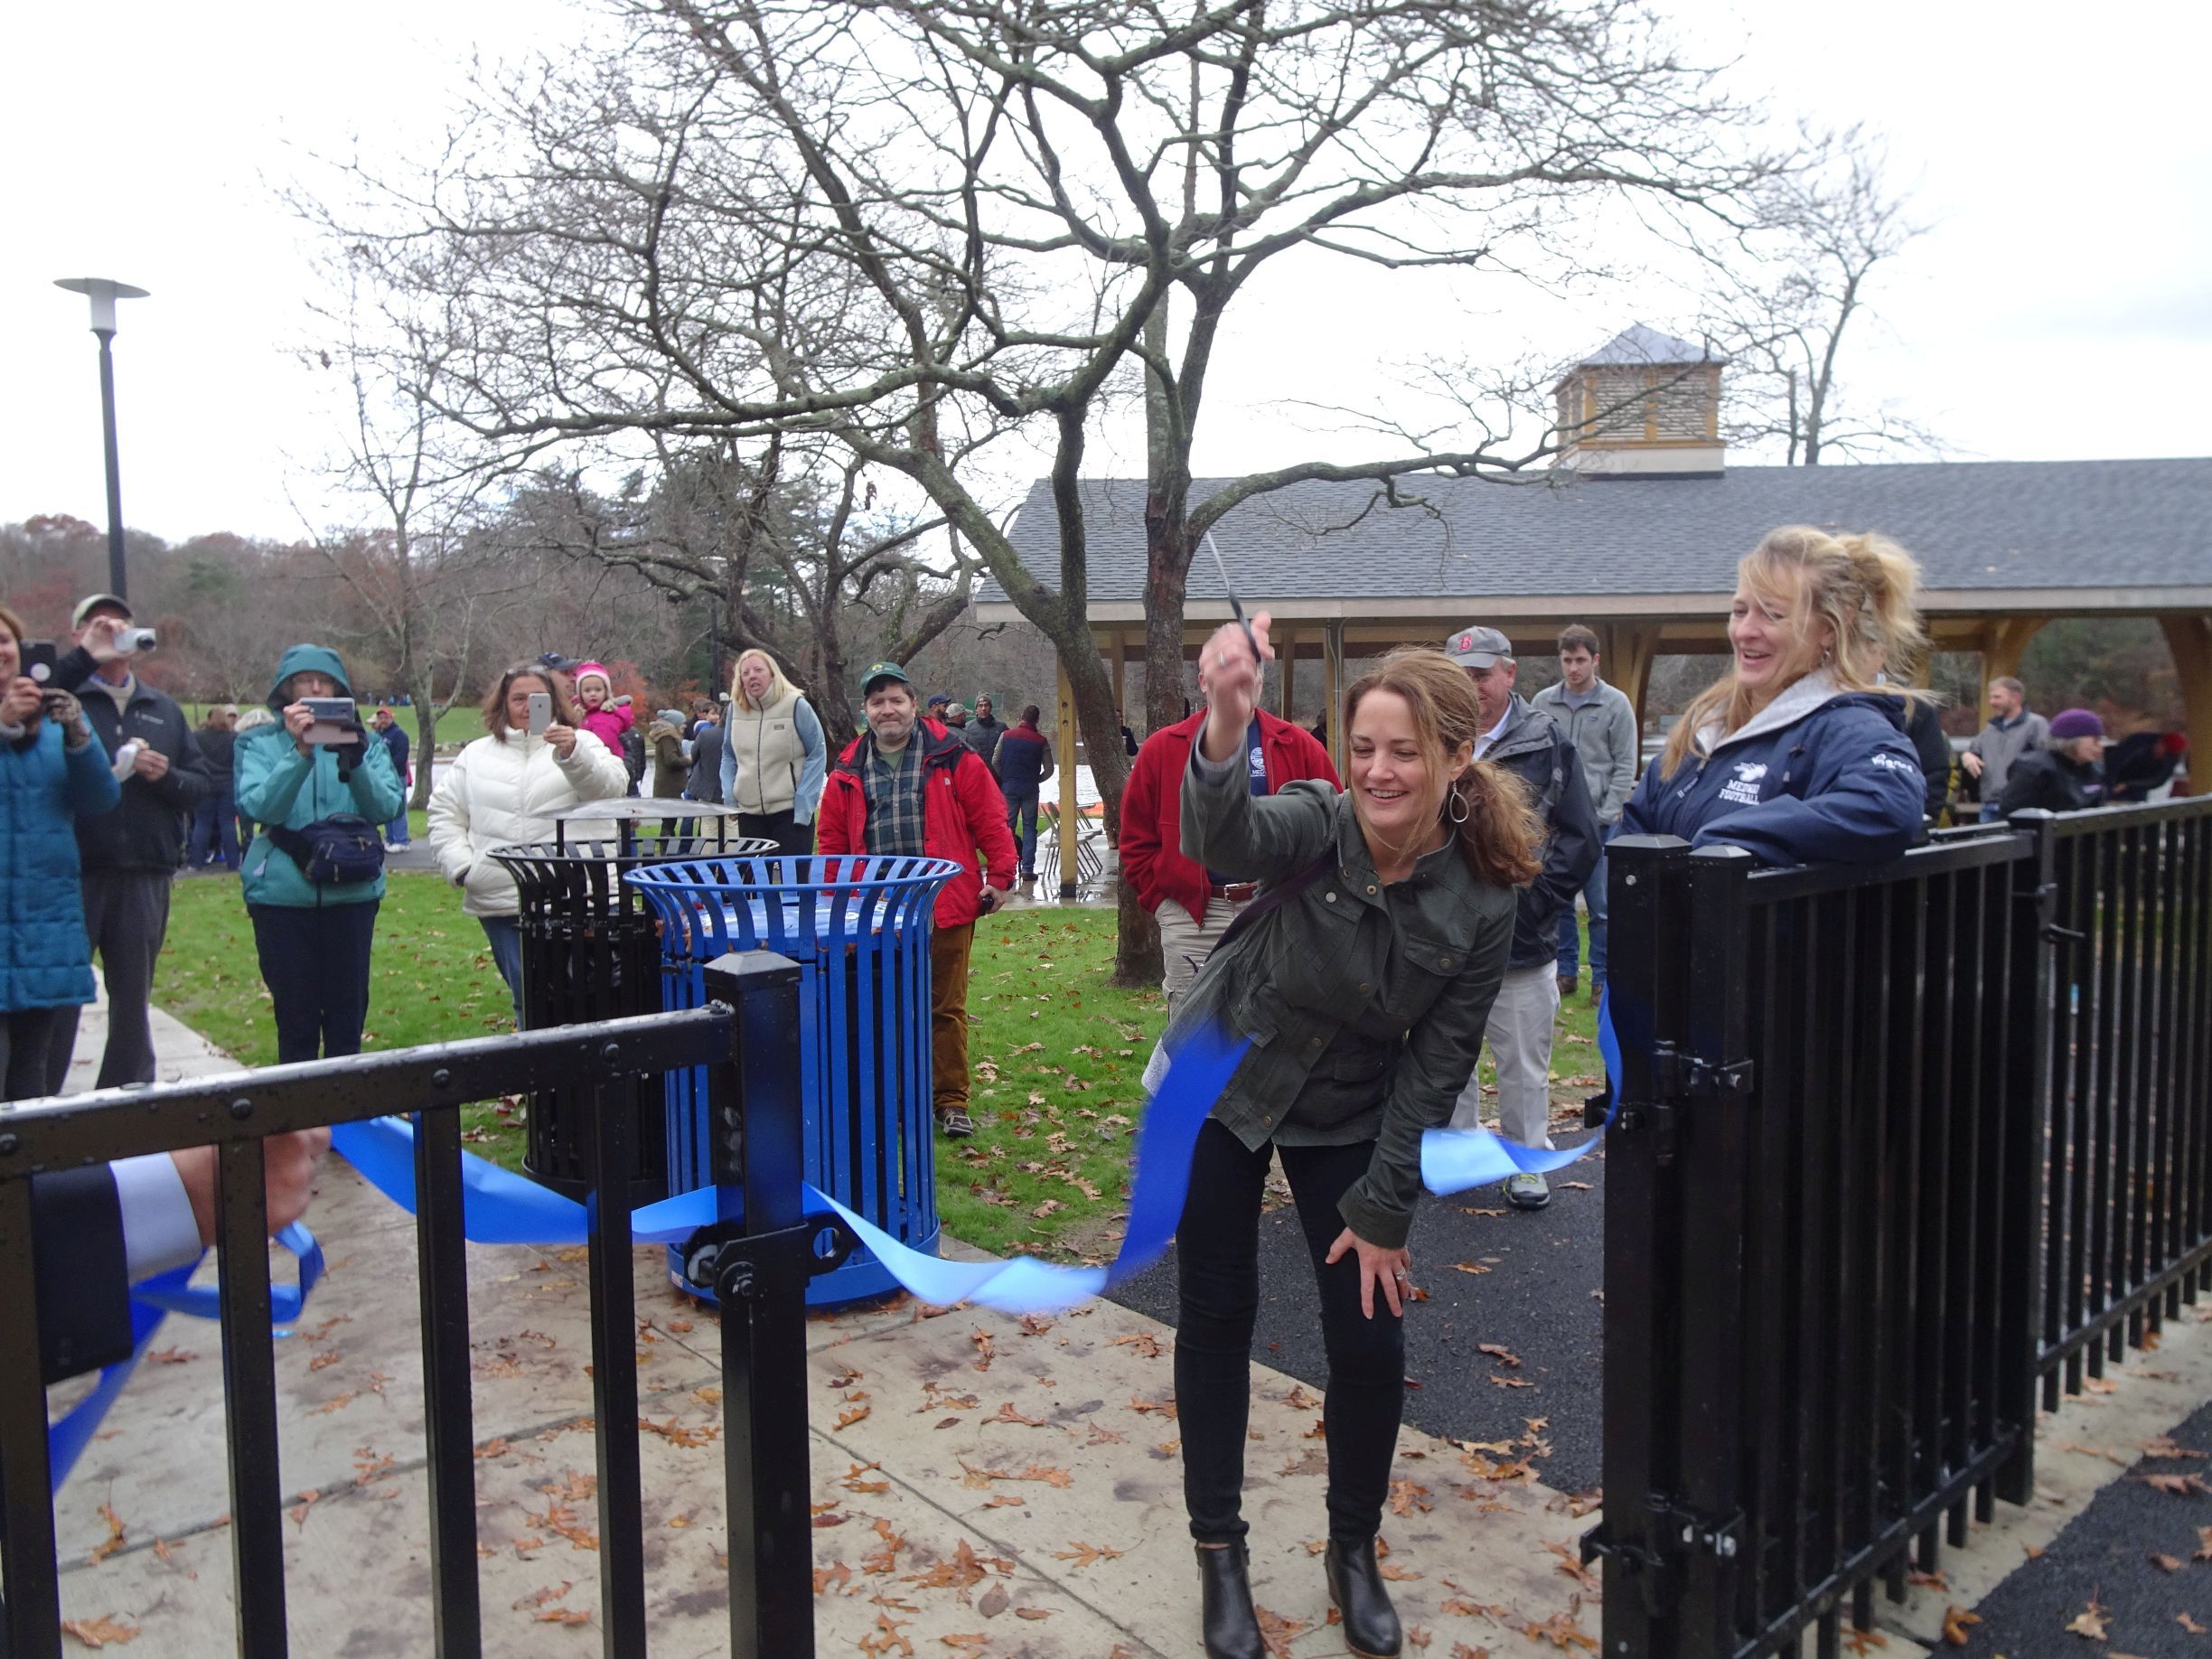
(1681, 1079)
(735, 1265)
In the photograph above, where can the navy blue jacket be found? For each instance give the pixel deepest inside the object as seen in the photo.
(396, 740)
(1025, 760)
(1839, 784)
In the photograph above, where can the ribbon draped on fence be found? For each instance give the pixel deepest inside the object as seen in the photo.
(500, 1207)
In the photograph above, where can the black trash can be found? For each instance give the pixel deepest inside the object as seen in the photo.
(591, 951)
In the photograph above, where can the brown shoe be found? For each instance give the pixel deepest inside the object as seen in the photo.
(1567, 983)
(954, 1123)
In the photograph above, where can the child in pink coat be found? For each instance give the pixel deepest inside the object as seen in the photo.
(604, 718)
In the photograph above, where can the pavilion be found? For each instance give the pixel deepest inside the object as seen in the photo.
(1635, 532)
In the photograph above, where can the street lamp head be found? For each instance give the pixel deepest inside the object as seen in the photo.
(103, 294)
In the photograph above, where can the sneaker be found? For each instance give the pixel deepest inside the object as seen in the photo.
(1528, 1192)
(1567, 983)
(954, 1124)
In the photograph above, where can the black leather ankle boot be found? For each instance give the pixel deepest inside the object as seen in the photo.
(1355, 1585)
(1230, 1628)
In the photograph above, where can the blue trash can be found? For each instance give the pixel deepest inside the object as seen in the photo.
(858, 926)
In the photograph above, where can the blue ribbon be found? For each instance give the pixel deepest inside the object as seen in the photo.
(152, 1299)
(499, 1207)
(1453, 1160)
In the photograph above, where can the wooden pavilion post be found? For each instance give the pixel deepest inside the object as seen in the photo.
(1064, 742)
(1286, 657)
(1331, 687)
(2004, 646)
(2190, 638)
(1627, 650)
(1121, 683)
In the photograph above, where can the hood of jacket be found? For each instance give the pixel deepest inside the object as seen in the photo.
(308, 660)
(1814, 691)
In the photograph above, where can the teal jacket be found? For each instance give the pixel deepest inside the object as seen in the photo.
(45, 961)
(1364, 1003)
(276, 784)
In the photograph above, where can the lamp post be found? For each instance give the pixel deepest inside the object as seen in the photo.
(103, 294)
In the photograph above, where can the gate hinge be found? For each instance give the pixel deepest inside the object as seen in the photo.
(1676, 1535)
(736, 1265)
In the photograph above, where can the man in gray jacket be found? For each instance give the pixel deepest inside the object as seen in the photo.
(2012, 732)
(1528, 743)
(1601, 724)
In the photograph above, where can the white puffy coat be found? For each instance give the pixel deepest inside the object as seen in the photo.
(496, 793)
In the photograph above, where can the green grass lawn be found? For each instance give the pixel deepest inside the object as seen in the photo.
(1056, 1051)
(458, 725)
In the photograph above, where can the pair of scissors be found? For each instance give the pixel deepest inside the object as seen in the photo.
(1236, 607)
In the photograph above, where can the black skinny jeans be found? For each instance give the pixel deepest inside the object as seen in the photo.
(315, 964)
(1217, 1271)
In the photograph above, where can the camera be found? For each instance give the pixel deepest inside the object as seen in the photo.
(334, 719)
(131, 640)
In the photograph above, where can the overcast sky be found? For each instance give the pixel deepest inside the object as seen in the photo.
(2063, 307)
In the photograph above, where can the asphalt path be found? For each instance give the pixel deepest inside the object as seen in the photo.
(2110, 1554)
(1539, 1300)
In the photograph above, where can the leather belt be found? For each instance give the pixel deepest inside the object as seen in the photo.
(1235, 892)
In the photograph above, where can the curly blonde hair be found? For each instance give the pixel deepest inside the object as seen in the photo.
(1863, 590)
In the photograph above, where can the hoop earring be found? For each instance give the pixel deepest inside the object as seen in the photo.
(1455, 799)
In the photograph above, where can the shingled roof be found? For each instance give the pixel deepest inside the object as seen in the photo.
(2121, 534)
(1646, 347)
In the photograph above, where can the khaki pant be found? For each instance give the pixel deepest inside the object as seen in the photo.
(948, 949)
(1184, 940)
(1520, 1038)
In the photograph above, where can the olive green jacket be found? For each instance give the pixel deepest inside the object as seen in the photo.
(1365, 1004)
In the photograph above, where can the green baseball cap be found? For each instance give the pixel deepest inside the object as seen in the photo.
(883, 671)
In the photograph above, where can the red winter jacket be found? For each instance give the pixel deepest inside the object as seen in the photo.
(1152, 860)
(962, 812)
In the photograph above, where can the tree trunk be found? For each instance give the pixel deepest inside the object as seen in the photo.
(425, 738)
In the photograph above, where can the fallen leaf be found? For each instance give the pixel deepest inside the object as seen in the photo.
(851, 1415)
(1087, 1554)
(1500, 1353)
(2167, 1563)
(1033, 1612)
(2190, 1625)
(99, 1632)
(564, 1615)
(108, 1545)
(2090, 1622)
(993, 1601)
(1957, 1624)
(1468, 1267)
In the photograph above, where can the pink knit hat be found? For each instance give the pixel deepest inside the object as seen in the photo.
(584, 671)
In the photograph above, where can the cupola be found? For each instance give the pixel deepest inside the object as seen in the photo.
(1643, 404)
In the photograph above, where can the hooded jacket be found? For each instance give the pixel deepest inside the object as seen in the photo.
(671, 759)
(147, 830)
(278, 784)
(45, 961)
(962, 815)
(496, 794)
(1533, 748)
(1820, 776)
(2056, 782)
(1153, 860)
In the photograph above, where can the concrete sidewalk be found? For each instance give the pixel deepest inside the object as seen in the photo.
(982, 1484)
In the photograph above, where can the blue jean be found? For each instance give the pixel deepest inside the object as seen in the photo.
(1594, 895)
(504, 934)
(1022, 822)
(396, 832)
(214, 831)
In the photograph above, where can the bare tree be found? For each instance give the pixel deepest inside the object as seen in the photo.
(787, 547)
(1788, 291)
(912, 227)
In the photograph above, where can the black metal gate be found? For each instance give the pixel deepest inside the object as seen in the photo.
(748, 1036)
(1898, 1149)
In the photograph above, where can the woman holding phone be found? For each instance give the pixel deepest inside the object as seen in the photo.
(508, 787)
(317, 785)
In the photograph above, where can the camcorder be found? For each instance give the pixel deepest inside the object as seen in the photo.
(335, 719)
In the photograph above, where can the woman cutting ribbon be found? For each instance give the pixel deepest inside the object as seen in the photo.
(1363, 976)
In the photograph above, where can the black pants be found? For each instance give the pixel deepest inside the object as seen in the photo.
(127, 917)
(794, 840)
(26, 1035)
(315, 963)
(1217, 1258)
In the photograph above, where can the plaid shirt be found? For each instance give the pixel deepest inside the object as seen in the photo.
(894, 788)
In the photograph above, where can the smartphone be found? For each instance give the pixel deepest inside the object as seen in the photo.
(39, 658)
(540, 712)
(334, 719)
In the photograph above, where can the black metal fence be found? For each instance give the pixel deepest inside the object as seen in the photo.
(1900, 1150)
(758, 1265)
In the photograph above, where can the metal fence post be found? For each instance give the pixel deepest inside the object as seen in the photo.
(1714, 1074)
(2029, 1168)
(1646, 895)
(754, 1099)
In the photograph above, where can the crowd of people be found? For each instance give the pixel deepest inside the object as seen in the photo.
(1372, 934)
